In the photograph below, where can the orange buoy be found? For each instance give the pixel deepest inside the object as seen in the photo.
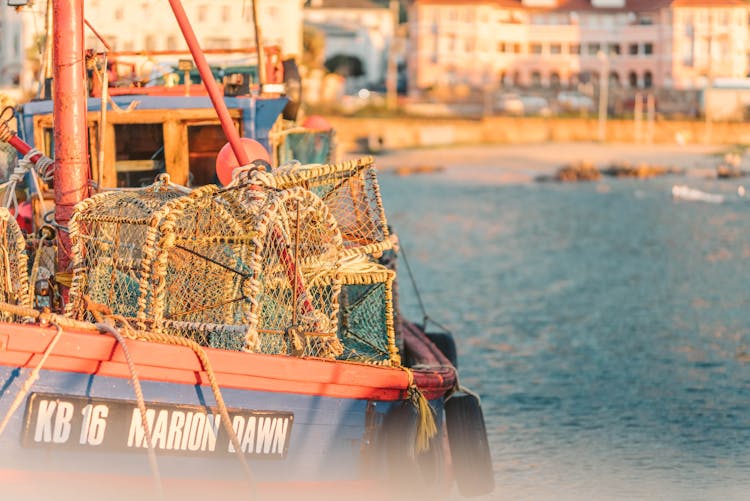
(226, 161)
(317, 123)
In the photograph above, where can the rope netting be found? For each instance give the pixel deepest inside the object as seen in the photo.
(239, 268)
(260, 266)
(13, 265)
(366, 314)
(351, 192)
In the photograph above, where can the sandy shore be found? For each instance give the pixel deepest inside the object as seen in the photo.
(523, 163)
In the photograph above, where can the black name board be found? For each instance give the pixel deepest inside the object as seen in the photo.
(73, 422)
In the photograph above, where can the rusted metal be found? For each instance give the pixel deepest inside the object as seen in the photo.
(208, 80)
(70, 131)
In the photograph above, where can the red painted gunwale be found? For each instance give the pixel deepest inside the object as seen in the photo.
(90, 352)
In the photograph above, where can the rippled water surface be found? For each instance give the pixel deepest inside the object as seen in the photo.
(606, 326)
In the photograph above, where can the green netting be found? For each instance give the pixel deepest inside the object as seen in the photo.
(366, 316)
(306, 147)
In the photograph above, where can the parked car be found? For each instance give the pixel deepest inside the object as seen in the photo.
(515, 104)
(575, 102)
(509, 104)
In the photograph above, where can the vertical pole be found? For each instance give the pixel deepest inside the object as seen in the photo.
(638, 117)
(709, 81)
(208, 80)
(46, 70)
(603, 96)
(71, 131)
(391, 73)
(259, 47)
(650, 117)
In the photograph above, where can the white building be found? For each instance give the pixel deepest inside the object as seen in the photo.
(147, 25)
(17, 34)
(359, 29)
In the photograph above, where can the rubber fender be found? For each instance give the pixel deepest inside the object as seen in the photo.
(411, 475)
(445, 342)
(470, 450)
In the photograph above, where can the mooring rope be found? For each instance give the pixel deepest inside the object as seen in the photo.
(130, 333)
(26, 386)
(108, 329)
(215, 388)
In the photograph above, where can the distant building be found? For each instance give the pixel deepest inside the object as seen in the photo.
(145, 25)
(678, 44)
(16, 38)
(359, 34)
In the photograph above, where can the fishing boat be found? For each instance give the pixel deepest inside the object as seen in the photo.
(244, 341)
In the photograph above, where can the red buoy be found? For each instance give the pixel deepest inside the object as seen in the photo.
(317, 123)
(226, 161)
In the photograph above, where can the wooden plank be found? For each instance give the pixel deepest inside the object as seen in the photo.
(109, 172)
(176, 154)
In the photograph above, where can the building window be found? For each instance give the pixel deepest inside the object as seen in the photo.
(202, 13)
(645, 19)
(536, 48)
(614, 48)
(554, 80)
(555, 48)
(614, 79)
(119, 14)
(226, 13)
(648, 79)
(574, 48)
(501, 47)
(150, 42)
(218, 43)
(648, 48)
(516, 48)
(171, 42)
(536, 79)
(633, 79)
(594, 48)
(633, 49)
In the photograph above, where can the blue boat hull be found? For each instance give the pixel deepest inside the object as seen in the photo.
(332, 440)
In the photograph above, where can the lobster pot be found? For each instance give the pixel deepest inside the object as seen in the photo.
(307, 147)
(351, 192)
(366, 315)
(13, 266)
(234, 269)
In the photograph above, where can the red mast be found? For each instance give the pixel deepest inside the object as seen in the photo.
(208, 80)
(71, 131)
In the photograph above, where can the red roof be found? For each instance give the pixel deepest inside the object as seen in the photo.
(710, 3)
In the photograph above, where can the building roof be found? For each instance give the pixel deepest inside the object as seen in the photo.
(342, 4)
(584, 5)
(710, 3)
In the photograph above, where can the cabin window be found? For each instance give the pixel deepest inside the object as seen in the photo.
(139, 155)
(204, 143)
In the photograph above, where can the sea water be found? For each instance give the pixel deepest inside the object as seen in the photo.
(606, 326)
